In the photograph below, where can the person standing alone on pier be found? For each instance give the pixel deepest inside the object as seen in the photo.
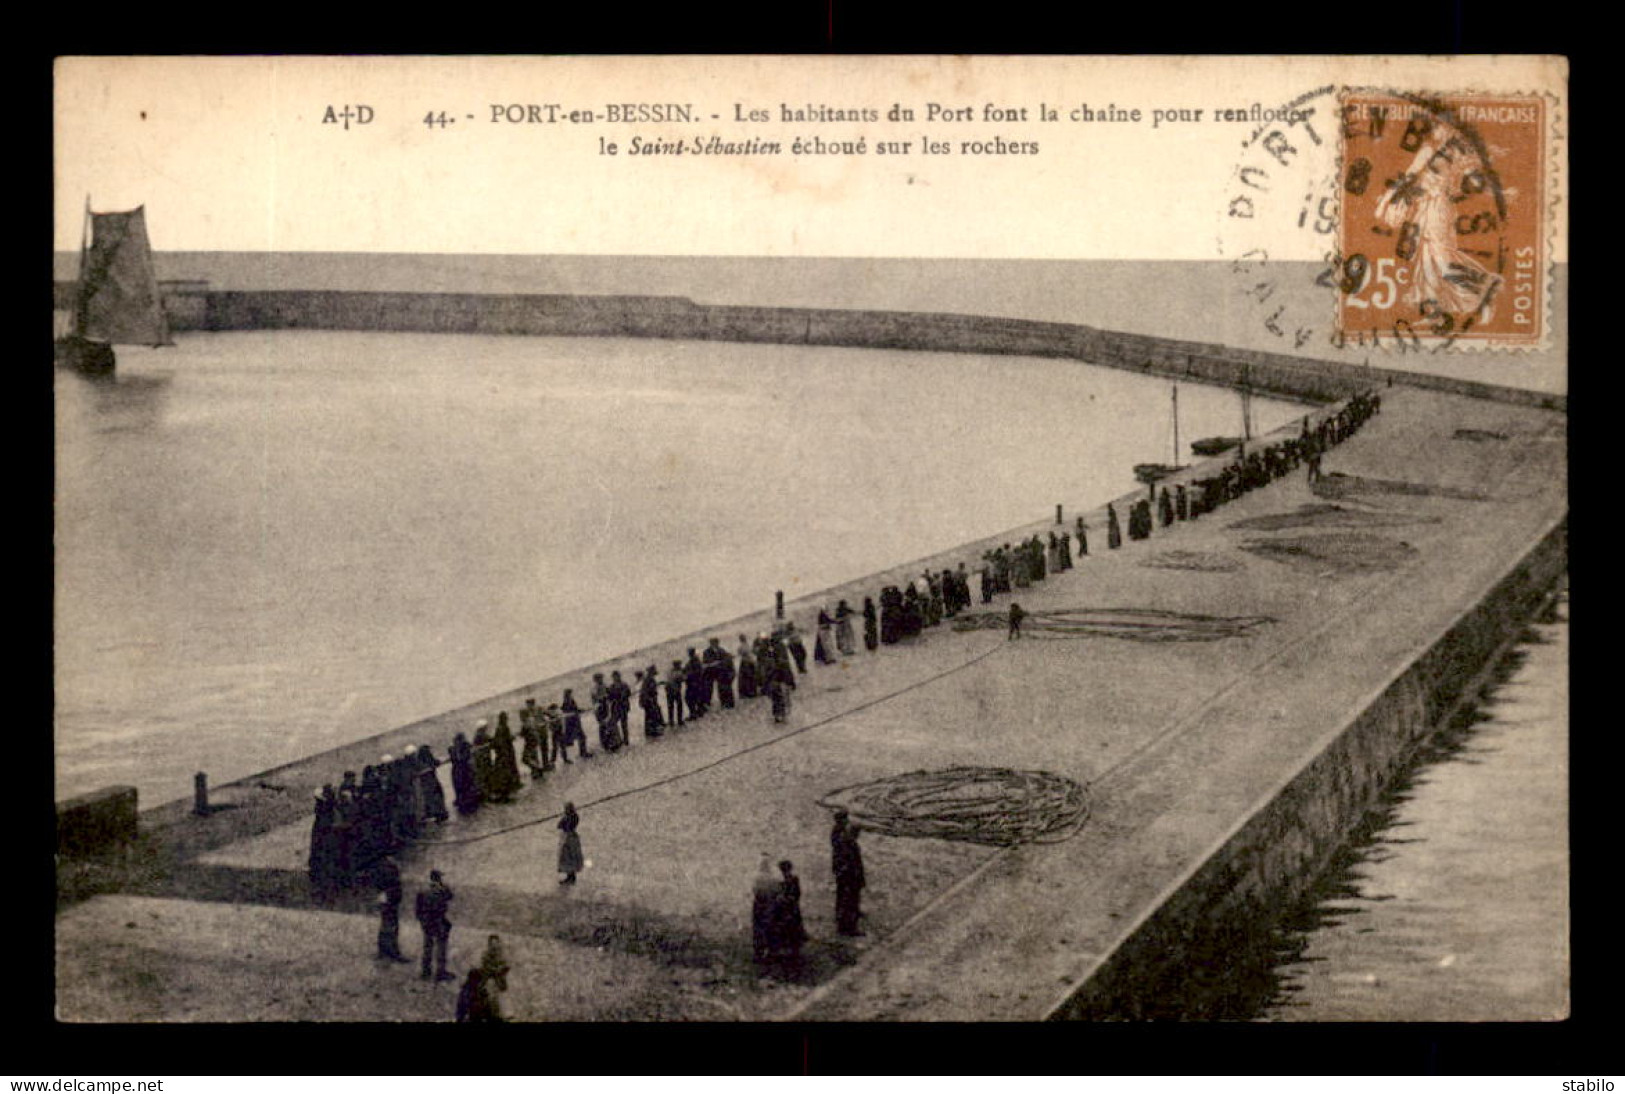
(433, 906)
(571, 861)
(846, 860)
(1016, 616)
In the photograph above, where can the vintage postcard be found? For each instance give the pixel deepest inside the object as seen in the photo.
(816, 539)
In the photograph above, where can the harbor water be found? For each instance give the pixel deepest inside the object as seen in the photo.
(1452, 903)
(272, 543)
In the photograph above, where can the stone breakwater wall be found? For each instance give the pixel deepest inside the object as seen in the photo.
(680, 318)
(1274, 854)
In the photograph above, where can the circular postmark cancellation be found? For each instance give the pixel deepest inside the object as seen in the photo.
(1428, 213)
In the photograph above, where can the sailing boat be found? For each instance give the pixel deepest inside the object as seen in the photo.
(1153, 473)
(116, 301)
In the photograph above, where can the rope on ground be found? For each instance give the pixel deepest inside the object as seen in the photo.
(998, 806)
(1134, 624)
(780, 739)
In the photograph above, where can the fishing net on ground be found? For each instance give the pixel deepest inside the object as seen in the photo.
(1332, 554)
(997, 806)
(1335, 484)
(1330, 516)
(1206, 562)
(1133, 624)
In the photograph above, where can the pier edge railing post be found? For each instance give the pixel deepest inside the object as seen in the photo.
(200, 794)
(1058, 519)
(778, 605)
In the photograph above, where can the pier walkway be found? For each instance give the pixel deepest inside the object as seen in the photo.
(1179, 742)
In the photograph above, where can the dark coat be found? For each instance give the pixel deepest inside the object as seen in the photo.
(433, 908)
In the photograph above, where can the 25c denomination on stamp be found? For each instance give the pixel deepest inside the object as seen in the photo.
(1442, 230)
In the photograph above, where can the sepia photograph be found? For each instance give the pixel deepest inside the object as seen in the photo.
(811, 540)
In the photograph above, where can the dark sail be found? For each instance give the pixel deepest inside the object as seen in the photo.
(118, 293)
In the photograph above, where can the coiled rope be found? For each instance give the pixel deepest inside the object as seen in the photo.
(998, 806)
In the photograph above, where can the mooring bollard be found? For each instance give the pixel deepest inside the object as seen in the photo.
(778, 604)
(200, 794)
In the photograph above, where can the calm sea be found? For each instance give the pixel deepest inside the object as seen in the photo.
(272, 543)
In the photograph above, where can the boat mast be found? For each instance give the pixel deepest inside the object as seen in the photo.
(1246, 404)
(79, 285)
(1176, 423)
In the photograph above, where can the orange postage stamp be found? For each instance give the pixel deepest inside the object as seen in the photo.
(1443, 235)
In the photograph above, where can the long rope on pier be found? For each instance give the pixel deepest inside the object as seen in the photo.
(1133, 624)
(998, 806)
(769, 743)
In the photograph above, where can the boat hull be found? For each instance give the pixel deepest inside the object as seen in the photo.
(1213, 446)
(83, 355)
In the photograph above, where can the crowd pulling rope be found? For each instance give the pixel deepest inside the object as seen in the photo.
(1134, 624)
(769, 743)
(998, 806)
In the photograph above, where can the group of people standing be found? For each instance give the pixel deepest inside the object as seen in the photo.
(1264, 465)
(777, 929)
(361, 821)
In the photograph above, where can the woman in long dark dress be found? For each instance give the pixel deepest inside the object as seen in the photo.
(465, 782)
(505, 779)
(913, 614)
(434, 798)
(346, 825)
(871, 625)
(485, 762)
(749, 687)
(764, 893)
(324, 845)
(824, 644)
(573, 733)
(1114, 530)
(571, 861)
(372, 828)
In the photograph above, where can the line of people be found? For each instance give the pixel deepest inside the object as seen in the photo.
(393, 802)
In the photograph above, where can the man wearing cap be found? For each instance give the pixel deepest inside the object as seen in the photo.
(433, 904)
(719, 666)
(674, 694)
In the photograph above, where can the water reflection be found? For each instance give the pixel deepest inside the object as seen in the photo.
(120, 402)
